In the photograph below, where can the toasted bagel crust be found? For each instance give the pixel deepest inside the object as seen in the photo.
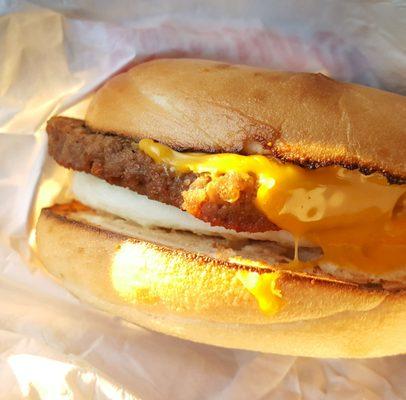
(173, 283)
(304, 118)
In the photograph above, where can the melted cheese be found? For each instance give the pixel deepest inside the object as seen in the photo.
(261, 285)
(349, 215)
(263, 288)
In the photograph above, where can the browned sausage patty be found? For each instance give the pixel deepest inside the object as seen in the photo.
(118, 160)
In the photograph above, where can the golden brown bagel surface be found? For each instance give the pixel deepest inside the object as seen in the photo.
(181, 284)
(209, 106)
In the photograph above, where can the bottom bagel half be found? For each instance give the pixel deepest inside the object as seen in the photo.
(190, 286)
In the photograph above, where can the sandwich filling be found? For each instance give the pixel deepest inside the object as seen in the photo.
(120, 162)
(100, 195)
(358, 221)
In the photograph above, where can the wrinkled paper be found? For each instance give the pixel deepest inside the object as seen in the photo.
(52, 56)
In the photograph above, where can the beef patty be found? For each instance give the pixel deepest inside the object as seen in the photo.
(227, 200)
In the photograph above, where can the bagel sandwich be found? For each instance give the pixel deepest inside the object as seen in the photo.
(238, 207)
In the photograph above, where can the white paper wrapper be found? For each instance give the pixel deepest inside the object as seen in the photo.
(52, 55)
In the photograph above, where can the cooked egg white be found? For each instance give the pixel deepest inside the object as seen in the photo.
(100, 195)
